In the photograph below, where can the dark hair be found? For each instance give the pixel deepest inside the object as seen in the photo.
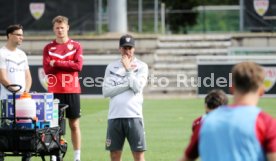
(12, 28)
(216, 98)
(247, 77)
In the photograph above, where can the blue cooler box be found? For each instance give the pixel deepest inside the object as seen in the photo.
(28, 125)
(44, 106)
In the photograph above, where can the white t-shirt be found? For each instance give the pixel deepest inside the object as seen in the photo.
(125, 89)
(16, 64)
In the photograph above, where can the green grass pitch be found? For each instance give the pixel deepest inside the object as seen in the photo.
(167, 123)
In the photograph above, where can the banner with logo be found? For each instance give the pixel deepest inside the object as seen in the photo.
(260, 15)
(219, 76)
(37, 15)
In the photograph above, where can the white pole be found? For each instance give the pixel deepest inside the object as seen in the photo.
(140, 16)
(163, 14)
(117, 16)
(100, 16)
(156, 16)
(241, 15)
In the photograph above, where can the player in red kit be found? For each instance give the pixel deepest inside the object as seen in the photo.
(62, 62)
(213, 100)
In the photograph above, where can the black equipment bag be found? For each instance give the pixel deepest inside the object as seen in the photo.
(48, 140)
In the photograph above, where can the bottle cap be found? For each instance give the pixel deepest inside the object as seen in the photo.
(25, 95)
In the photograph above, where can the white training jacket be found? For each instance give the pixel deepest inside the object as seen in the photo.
(125, 88)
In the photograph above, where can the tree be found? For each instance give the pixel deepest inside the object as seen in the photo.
(181, 14)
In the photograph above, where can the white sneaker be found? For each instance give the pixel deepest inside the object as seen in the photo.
(53, 158)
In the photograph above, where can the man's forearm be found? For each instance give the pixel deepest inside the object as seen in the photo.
(28, 81)
(113, 90)
(28, 86)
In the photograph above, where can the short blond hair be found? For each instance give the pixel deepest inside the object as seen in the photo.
(60, 19)
(248, 77)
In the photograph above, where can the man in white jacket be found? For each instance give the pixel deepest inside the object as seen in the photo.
(123, 83)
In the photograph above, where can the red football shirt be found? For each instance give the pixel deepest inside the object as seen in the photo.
(63, 76)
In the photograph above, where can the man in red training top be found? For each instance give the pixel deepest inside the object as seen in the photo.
(214, 99)
(62, 62)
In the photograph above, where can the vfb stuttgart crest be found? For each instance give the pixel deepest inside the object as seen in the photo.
(270, 77)
(70, 46)
(128, 39)
(261, 6)
(37, 10)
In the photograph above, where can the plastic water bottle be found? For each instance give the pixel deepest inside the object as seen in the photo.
(55, 119)
(25, 107)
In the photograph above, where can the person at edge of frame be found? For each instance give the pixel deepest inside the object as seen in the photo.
(240, 131)
(14, 68)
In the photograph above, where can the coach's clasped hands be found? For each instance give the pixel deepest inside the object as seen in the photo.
(126, 62)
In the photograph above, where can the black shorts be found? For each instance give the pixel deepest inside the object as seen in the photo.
(73, 100)
(121, 128)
